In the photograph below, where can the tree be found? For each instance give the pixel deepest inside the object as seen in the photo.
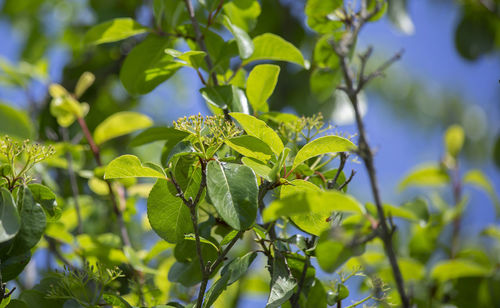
(247, 199)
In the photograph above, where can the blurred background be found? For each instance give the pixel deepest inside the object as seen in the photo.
(449, 74)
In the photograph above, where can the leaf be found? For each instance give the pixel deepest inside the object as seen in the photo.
(243, 13)
(323, 145)
(193, 58)
(13, 265)
(45, 197)
(392, 211)
(115, 300)
(114, 30)
(244, 42)
(10, 222)
(185, 250)
(238, 267)
(454, 269)
(15, 122)
(305, 202)
(318, 14)
(333, 252)
(398, 15)
(119, 124)
(233, 191)
(426, 175)
(257, 128)
(158, 133)
(258, 167)
(323, 83)
(260, 85)
(216, 290)
(270, 46)
(316, 298)
(168, 215)
(454, 140)
(226, 97)
(250, 146)
(315, 222)
(187, 274)
(147, 65)
(129, 166)
(65, 107)
(33, 223)
(477, 178)
(282, 283)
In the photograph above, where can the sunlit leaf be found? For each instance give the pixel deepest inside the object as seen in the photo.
(260, 85)
(119, 124)
(10, 222)
(282, 283)
(114, 30)
(427, 175)
(129, 166)
(15, 122)
(270, 46)
(454, 139)
(323, 145)
(250, 146)
(244, 42)
(453, 269)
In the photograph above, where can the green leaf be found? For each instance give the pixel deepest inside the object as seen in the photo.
(323, 54)
(323, 145)
(226, 97)
(192, 58)
(129, 166)
(114, 30)
(250, 146)
(243, 13)
(257, 128)
(305, 202)
(316, 298)
(16, 303)
(233, 191)
(318, 14)
(10, 222)
(392, 211)
(33, 222)
(216, 290)
(14, 265)
(426, 175)
(454, 140)
(187, 274)
(398, 15)
(147, 65)
(45, 197)
(323, 83)
(282, 283)
(244, 42)
(168, 215)
(258, 167)
(315, 222)
(65, 107)
(185, 250)
(119, 124)
(238, 267)
(270, 46)
(332, 253)
(477, 178)
(260, 85)
(152, 134)
(15, 122)
(453, 269)
(115, 300)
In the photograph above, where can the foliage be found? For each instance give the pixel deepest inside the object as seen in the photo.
(244, 200)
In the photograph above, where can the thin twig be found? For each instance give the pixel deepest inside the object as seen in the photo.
(342, 48)
(222, 256)
(73, 182)
(95, 151)
(353, 172)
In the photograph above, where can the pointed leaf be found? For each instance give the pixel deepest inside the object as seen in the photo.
(129, 166)
(257, 128)
(260, 85)
(10, 222)
(250, 146)
(244, 42)
(305, 202)
(425, 176)
(158, 134)
(147, 65)
(114, 30)
(323, 145)
(282, 283)
(233, 191)
(270, 46)
(119, 124)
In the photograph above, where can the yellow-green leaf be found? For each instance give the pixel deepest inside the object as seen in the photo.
(257, 128)
(323, 145)
(454, 140)
(425, 176)
(120, 124)
(129, 166)
(270, 46)
(114, 30)
(260, 85)
(453, 269)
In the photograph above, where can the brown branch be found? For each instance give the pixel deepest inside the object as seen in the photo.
(97, 156)
(222, 256)
(342, 48)
(213, 15)
(353, 172)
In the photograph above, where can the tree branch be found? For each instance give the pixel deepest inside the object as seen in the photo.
(95, 151)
